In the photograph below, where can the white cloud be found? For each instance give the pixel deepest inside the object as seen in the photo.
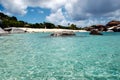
(14, 6)
(87, 12)
(84, 9)
(81, 12)
(56, 17)
(20, 6)
(50, 4)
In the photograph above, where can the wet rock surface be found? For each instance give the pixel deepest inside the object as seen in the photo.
(63, 33)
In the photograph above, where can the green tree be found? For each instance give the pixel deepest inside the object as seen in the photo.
(13, 18)
(49, 25)
(73, 26)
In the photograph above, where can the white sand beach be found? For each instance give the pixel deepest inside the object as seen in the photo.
(49, 30)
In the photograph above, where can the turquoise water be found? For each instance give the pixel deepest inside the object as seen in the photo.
(37, 56)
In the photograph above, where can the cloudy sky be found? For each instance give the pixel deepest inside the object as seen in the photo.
(79, 12)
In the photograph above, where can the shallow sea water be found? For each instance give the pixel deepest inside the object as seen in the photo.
(37, 56)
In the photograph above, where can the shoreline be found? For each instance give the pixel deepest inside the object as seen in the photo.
(31, 30)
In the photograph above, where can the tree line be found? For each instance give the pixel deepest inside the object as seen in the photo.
(7, 21)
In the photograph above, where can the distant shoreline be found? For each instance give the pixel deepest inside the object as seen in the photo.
(31, 30)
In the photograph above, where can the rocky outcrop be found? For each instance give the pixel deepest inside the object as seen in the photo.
(8, 29)
(95, 32)
(98, 27)
(113, 23)
(11, 30)
(15, 30)
(116, 29)
(63, 33)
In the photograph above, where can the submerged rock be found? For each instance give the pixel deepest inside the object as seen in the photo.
(95, 32)
(63, 33)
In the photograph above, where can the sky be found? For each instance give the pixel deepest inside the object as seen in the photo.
(61, 12)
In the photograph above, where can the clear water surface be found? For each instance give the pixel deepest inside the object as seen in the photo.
(37, 56)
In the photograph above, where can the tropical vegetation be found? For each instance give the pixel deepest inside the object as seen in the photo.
(12, 21)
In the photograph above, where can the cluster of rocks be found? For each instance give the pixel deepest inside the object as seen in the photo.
(112, 26)
(11, 30)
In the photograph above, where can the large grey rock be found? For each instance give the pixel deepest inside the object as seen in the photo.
(63, 33)
(17, 30)
(95, 32)
(8, 29)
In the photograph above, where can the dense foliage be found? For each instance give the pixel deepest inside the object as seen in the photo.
(8, 21)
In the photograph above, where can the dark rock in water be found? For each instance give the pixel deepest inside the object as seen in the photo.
(95, 32)
(63, 33)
